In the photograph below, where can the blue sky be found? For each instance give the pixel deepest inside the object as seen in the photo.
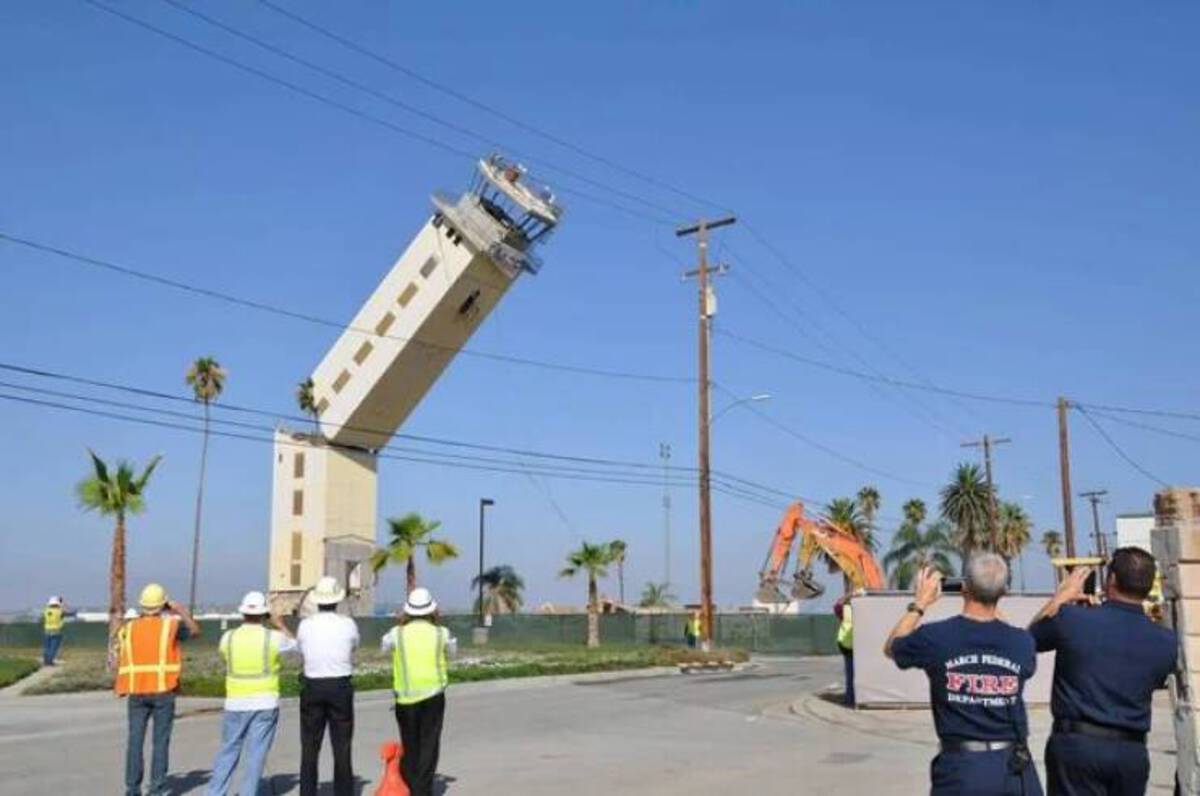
(998, 198)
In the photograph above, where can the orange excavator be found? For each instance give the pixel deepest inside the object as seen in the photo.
(850, 555)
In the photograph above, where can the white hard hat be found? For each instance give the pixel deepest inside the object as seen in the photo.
(54, 601)
(327, 592)
(420, 603)
(254, 604)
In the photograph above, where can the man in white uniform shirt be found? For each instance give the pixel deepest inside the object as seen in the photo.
(327, 642)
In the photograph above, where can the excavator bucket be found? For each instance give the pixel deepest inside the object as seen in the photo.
(806, 586)
(770, 594)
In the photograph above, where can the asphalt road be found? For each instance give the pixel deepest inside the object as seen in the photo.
(676, 734)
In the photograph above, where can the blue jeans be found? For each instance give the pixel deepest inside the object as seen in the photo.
(252, 731)
(141, 708)
(50, 647)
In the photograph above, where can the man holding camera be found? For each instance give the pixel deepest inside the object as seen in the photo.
(977, 667)
(1110, 659)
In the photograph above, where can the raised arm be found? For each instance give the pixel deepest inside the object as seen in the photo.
(1069, 591)
(184, 616)
(929, 589)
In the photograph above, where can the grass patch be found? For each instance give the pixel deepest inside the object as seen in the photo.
(204, 674)
(13, 669)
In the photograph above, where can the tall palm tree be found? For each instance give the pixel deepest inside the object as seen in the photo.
(206, 377)
(915, 511)
(966, 504)
(1015, 530)
(656, 595)
(307, 403)
(407, 535)
(846, 513)
(914, 549)
(592, 559)
(502, 588)
(1052, 543)
(117, 495)
(868, 503)
(618, 548)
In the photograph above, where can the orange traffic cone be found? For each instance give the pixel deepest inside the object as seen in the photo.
(391, 784)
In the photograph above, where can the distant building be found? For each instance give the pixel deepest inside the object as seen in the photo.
(1133, 530)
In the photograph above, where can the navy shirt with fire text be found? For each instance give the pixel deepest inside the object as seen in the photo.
(977, 673)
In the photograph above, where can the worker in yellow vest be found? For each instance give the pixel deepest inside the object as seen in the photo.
(149, 666)
(251, 653)
(845, 642)
(52, 628)
(691, 631)
(421, 649)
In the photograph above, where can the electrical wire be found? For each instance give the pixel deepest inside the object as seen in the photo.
(485, 107)
(403, 105)
(1117, 448)
(332, 103)
(1166, 432)
(261, 306)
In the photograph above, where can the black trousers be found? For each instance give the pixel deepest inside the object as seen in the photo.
(421, 734)
(981, 774)
(326, 702)
(1079, 765)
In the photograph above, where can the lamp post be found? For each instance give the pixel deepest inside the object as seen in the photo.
(481, 635)
(766, 396)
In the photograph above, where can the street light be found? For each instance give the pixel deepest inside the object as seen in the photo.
(765, 396)
(483, 504)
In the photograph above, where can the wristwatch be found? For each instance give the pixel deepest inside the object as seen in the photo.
(913, 608)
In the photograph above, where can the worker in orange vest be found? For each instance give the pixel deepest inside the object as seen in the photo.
(149, 665)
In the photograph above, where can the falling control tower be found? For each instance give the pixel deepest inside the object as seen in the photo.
(453, 273)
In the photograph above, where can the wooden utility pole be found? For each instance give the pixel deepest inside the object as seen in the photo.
(987, 443)
(1064, 463)
(706, 309)
(1101, 543)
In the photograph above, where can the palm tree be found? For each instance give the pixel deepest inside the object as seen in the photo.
(206, 377)
(408, 534)
(656, 595)
(966, 504)
(847, 514)
(913, 549)
(915, 511)
(594, 560)
(307, 404)
(117, 495)
(502, 588)
(618, 548)
(1052, 543)
(1015, 529)
(868, 503)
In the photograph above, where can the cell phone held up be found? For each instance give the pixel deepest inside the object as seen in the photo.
(952, 585)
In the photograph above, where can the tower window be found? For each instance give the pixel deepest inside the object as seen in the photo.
(297, 545)
(407, 295)
(298, 502)
(340, 381)
(295, 574)
(384, 324)
(298, 466)
(322, 405)
(364, 350)
(429, 266)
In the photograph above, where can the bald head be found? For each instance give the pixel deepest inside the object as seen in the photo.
(985, 578)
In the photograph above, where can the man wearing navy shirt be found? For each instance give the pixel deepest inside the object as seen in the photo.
(977, 667)
(1110, 658)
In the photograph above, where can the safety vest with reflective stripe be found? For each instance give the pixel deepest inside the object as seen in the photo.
(149, 656)
(695, 627)
(419, 669)
(52, 619)
(845, 634)
(251, 654)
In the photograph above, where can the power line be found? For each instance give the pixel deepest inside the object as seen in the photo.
(301, 90)
(1113, 444)
(134, 273)
(1143, 426)
(825, 448)
(908, 385)
(1168, 413)
(490, 109)
(732, 480)
(342, 78)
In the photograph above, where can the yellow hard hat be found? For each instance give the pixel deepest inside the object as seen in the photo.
(153, 596)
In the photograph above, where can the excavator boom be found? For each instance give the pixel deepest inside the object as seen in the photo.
(850, 555)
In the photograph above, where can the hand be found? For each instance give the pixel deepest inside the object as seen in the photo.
(929, 587)
(1071, 589)
(277, 622)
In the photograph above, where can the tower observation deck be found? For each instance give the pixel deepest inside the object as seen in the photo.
(445, 283)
